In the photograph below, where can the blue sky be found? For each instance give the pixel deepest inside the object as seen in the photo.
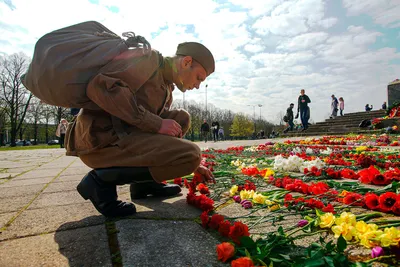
(266, 51)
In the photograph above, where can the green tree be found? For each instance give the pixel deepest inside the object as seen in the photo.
(241, 126)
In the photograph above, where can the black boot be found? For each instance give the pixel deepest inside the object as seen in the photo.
(100, 187)
(141, 190)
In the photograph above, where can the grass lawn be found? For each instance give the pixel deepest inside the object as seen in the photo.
(7, 148)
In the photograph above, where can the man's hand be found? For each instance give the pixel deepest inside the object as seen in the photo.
(170, 127)
(297, 115)
(206, 174)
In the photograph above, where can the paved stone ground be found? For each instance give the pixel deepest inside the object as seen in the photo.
(45, 222)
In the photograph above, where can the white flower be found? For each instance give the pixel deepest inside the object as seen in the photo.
(309, 151)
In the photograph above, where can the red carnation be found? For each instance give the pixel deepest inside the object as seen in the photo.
(224, 228)
(185, 182)
(215, 221)
(249, 186)
(238, 230)
(372, 201)
(203, 189)
(178, 181)
(353, 199)
(204, 219)
(206, 203)
(329, 208)
(387, 201)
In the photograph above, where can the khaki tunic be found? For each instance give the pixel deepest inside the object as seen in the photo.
(134, 98)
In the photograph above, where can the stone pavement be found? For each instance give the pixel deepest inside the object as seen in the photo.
(45, 222)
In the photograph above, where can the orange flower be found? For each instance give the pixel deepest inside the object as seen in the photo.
(242, 262)
(225, 251)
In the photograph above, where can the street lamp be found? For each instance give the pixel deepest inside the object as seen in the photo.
(259, 105)
(206, 100)
(254, 116)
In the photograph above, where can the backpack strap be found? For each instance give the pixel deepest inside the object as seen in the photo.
(117, 123)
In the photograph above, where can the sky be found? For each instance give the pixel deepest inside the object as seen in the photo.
(266, 51)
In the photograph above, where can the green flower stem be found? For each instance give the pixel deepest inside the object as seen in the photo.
(366, 217)
(389, 225)
(299, 229)
(380, 258)
(309, 234)
(386, 221)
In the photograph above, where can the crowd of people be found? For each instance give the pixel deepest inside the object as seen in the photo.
(217, 131)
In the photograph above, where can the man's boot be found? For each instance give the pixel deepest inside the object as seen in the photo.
(100, 186)
(145, 185)
(142, 190)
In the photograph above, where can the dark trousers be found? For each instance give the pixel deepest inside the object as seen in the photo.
(290, 127)
(304, 116)
(61, 140)
(205, 136)
(341, 112)
(215, 135)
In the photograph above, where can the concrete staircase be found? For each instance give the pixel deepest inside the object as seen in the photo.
(341, 124)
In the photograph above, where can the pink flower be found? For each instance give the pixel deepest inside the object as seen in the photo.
(246, 204)
(302, 223)
(237, 199)
(377, 252)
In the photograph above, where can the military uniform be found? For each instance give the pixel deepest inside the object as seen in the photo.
(101, 139)
(121, 140)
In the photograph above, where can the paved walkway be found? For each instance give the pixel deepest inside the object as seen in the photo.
(45, 222)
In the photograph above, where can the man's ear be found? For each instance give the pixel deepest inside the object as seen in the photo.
(186, 62)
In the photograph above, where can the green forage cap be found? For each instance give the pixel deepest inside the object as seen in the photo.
(198, 52)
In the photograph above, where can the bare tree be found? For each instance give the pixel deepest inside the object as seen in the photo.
(34, 116)
(13, 93)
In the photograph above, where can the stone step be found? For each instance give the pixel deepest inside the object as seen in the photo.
(374, 112)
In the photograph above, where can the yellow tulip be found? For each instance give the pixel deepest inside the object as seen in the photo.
(390, 237)
(363, 227)
(233, 190)
(274, 207)
(346, 217)
(259, 199)
(327, 220)
(371, 238)
(245, 194)
(268, 173)
(346, 230)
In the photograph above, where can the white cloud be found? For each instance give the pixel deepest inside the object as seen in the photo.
(304, 41)
(266, 51)
(384, 12)
(253, 48)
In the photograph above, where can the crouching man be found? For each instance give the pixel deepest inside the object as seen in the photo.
(133, 138)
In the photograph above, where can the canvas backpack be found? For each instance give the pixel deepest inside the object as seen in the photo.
(285, 118)
(65, 60)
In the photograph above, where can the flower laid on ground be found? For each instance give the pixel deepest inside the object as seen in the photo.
(225, 251)
(377, 252)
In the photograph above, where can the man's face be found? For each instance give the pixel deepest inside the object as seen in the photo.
(190, 74)
(302, 92)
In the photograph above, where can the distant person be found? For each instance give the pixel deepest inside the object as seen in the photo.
(221, 134)
(303, 109)
(334, 107)
(205, 129)
(368, 107)
(384, 106)
(341, 105)
(215, 129)
(61, 130)
(262, 134)
(290, 117)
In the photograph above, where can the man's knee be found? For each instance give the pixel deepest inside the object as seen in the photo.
(195, 155)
